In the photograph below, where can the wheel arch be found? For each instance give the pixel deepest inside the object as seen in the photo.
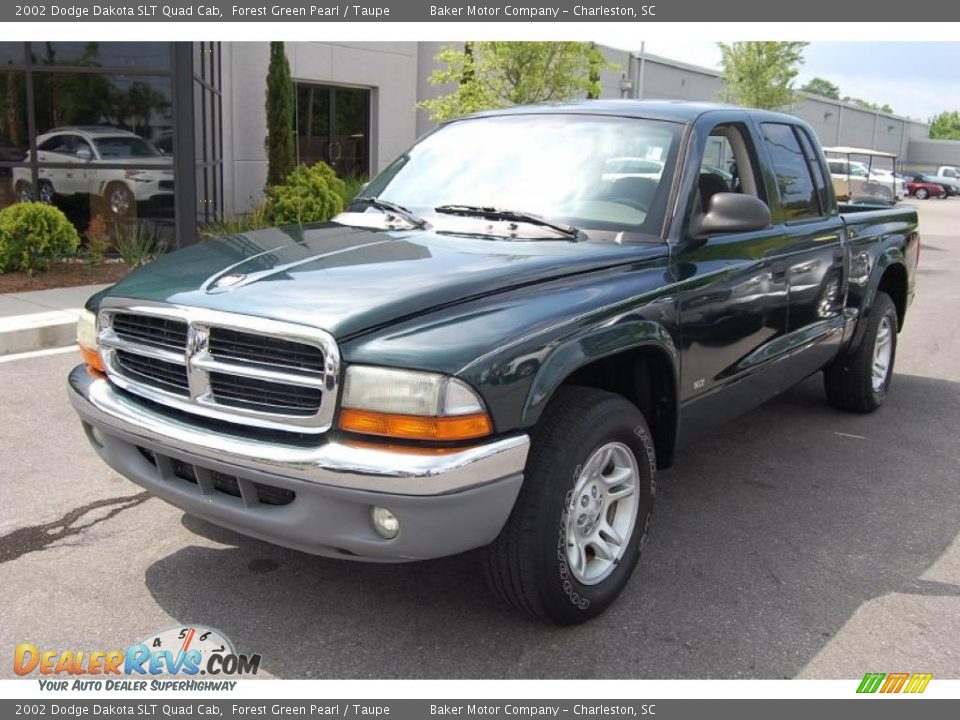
(894, 282)
(637, 360)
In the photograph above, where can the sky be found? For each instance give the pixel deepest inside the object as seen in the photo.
(917, 79)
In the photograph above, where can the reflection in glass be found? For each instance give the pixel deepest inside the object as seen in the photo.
(97, 54)
(139, 104)
(11, 53)
(332, 126)
(568, 168)
(13, 116)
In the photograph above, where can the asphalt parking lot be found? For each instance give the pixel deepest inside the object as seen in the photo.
(797, 542)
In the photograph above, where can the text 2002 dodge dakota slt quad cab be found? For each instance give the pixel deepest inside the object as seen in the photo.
(500, 342)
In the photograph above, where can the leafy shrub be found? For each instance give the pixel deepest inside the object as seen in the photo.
(236, 224)
(139, 243)
(353, 186)
(311, 193)
(32, 234)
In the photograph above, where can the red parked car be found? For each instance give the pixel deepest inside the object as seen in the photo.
(922, 187)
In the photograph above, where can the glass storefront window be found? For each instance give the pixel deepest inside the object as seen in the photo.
(11, 53)
(101, 54)
(103, 139)
(139, 104)
(14, 140)
(97, 138)
(332, 125)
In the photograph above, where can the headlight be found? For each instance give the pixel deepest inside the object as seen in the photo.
(87, 340)
(411, 405)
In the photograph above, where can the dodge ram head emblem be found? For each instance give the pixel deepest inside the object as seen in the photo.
(229, 280)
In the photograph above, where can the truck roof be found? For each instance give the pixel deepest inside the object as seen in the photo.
(682, 111)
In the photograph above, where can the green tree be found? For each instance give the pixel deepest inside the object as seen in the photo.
(281, 104)
(761, 74)
(945, 125)
(822, 87)
(489, 75)
(867, 105)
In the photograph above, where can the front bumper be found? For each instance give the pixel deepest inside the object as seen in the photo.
(446, 503)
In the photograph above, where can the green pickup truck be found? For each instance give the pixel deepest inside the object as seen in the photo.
(501, 341)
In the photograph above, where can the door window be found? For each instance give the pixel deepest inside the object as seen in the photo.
(798, 194)
(816, 168)
(62, 144)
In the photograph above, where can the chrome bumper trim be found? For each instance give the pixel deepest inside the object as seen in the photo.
(331, 463)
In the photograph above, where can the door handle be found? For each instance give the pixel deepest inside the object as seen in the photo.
(839, 256)
(778, 273)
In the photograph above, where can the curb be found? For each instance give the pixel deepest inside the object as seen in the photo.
(38, 331)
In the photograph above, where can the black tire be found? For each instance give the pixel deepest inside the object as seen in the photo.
(526, 566)
(24, 191)
(849, 380)
(921, 194)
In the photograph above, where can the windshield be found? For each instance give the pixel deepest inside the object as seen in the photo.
(594, 172)
(124, 147)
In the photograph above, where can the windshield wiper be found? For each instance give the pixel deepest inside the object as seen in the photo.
(493, 213)
(394, 209)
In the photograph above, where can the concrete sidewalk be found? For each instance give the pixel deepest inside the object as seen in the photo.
(41, 319)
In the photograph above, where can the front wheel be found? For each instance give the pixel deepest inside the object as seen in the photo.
(581, 519)
(858, 381)
(120, 201)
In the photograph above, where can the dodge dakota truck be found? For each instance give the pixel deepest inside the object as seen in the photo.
(500, 342)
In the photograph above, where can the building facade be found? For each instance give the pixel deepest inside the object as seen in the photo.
(167, 135)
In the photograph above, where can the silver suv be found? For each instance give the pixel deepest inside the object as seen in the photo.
(85, 150)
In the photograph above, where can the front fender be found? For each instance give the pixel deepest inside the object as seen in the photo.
(588, 346)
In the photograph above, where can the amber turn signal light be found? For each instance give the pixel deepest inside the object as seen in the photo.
(92, 359)
(415, 427)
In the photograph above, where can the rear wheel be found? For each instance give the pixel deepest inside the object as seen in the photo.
(580, 522)
(859, 380)
(921, 194)
(45, 194)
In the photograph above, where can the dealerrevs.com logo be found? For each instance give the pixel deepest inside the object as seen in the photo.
(899, 682)
(185, 652)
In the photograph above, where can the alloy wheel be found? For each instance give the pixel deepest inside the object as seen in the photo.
(601, 513)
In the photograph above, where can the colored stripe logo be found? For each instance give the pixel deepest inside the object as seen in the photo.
(894, 683)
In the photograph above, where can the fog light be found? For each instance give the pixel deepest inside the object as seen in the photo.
(385, 522)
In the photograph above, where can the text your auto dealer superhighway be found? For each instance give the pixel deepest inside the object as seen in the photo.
(505, 11)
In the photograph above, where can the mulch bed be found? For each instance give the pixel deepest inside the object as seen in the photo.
(63, 274)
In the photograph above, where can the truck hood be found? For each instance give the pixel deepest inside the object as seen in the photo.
(346, 280)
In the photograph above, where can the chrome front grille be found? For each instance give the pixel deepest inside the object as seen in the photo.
(258, 349)
(237, 391)
(153, 331)
(238, 368)
(160, 374)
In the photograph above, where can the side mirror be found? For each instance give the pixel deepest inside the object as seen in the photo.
(731, 212)
(83, 153)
